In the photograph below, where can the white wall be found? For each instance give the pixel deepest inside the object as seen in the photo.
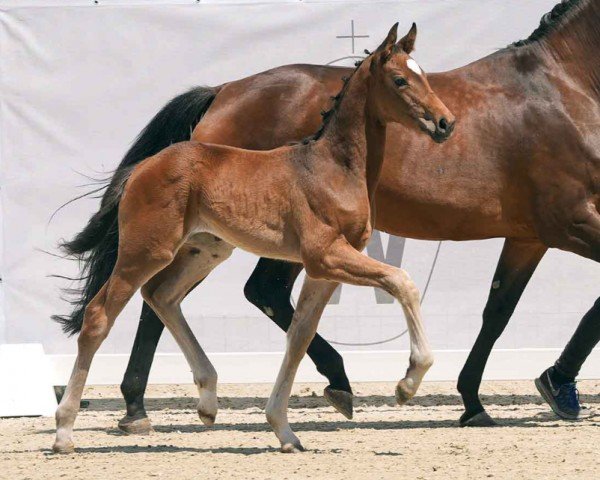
(78, 81)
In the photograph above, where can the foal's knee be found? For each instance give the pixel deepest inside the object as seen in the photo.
(402, 287)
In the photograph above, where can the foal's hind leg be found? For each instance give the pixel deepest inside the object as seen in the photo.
(151, 230)
(99, 317)
(164, 293)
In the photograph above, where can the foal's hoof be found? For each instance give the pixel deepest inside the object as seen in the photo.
(340, 400)
(208, 419)
(295, 447)
(135, 425)
(403, 393)
(207, 406)
(481, 419)
(63, 447)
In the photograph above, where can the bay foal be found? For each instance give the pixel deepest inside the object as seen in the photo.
(309, 203)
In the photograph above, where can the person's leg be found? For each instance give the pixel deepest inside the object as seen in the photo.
(585, 338)
(557, 383)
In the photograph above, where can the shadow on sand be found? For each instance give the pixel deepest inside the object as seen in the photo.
(296, 402)
(540, 420)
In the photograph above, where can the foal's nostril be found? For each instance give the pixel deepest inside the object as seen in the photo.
(443, 124)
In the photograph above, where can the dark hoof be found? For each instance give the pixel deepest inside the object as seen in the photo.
(136, 425)
(481, 419)
(340, 400)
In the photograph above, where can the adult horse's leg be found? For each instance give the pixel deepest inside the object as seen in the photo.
(269, 288)
(517, 263)
(133, 386)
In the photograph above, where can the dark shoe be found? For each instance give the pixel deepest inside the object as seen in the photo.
(562, 398)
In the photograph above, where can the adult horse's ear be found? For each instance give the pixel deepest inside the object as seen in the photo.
(390, 41)
(407, 43)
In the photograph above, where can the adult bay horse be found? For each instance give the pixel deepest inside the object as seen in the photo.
(309, 203)
(523, 165)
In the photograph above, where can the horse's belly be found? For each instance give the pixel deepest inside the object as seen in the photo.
(260, 240)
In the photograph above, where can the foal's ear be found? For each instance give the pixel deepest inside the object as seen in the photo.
(389, 42)
(407, 43)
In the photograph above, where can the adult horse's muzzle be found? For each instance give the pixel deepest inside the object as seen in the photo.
(439, 129)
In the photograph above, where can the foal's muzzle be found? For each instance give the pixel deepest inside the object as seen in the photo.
(440, 129)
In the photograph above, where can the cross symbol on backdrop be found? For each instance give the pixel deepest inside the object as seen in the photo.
(352, 35)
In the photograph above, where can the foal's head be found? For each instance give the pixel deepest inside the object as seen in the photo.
(400, 89)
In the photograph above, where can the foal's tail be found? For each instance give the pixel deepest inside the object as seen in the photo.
(97, 244)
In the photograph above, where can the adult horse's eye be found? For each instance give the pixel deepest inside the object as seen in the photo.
(400, 82)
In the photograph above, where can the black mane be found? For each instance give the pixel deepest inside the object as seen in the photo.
(549, 21)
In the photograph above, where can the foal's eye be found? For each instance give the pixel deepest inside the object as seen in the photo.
(400, 82)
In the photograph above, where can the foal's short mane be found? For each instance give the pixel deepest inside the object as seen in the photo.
(550, 21)
(328, 114)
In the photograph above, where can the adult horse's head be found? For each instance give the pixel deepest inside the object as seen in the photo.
(401, 90)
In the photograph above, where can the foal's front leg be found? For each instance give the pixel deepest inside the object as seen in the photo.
(340, 262)
(269, 288)
(313, 298)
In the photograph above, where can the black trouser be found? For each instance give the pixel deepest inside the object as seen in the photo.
(582, 343)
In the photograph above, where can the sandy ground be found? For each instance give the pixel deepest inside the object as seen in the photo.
(418, 441)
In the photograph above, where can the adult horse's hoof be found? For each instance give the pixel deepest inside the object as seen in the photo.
(63, 447)
(292, 448)
(340, 400)
(136, 425)
(403, 394)
(481, 419)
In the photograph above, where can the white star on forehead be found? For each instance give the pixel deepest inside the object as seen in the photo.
(414, 66)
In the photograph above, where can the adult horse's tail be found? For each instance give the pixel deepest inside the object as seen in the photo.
(97, 244)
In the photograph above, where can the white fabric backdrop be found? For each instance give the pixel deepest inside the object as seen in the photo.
(78, 81)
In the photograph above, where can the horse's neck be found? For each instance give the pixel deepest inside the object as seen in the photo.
(354, 138)
(575, 44)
